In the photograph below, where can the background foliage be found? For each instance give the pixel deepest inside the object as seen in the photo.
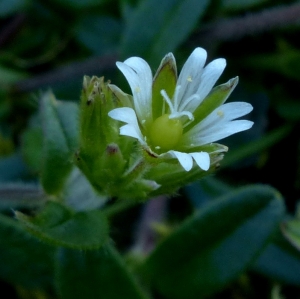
(219, 241)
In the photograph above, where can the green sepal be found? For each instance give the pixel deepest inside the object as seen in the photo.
(124, 98)
(111, 164)
(139, 190)
(165, 78)
(58, 225)
(170, 175)
(97, 129)
(59, 126)
(214, 99)
(131, 183)
(93, 117)
(216, 245)
(108, 169)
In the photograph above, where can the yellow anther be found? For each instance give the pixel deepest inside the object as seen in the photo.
(189, 78)
(220, 113)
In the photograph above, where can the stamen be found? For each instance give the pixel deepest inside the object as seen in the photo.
(180, 114)
(220, 113)
(167, 99)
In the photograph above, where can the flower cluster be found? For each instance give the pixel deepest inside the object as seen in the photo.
(175, 118)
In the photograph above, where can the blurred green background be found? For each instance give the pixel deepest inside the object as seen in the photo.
(51, 44)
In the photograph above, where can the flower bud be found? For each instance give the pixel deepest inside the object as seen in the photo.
(112, 163)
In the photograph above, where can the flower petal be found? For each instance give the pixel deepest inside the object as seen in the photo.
(190, 75)
(223, 114)
(139, 76)
(219, 133)
(128, 116)
(184, 159)
(209, 77)
(202, 159)
(125, 114)
(132, 131)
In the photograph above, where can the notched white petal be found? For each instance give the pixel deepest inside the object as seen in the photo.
(132, 131)
(124, 114)
(219, 118)
(190, 75)
(185, 160)
(128, 116)
(139, 76)
(210, 76)
(219, 133)
(202, 159)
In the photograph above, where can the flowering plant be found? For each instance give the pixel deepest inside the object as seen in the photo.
(98, 166)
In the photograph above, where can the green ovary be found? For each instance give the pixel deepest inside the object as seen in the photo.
(165, 133)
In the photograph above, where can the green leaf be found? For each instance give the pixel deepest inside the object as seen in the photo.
(98, 274)
(78, 187)
(280, 261)
(205, 190)
(216, 245)
(158, 27)
(32, 144)
(24, 260)
(60, 141)
(68, 114)
(60, 226)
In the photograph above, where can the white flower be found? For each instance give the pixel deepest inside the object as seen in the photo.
(175, 118)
